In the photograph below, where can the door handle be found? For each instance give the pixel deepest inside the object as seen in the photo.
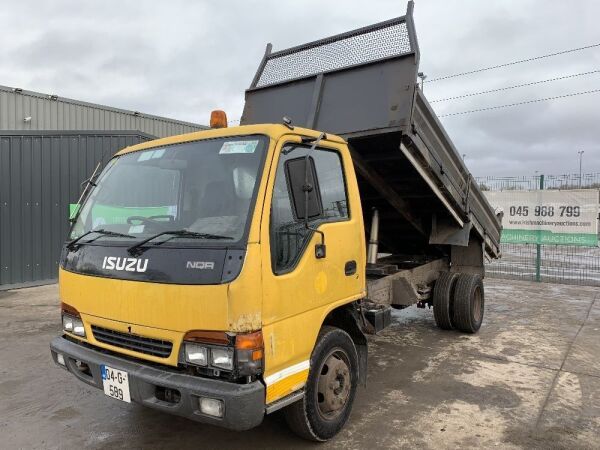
(350, 268)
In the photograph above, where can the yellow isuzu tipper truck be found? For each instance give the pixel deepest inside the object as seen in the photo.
(226, 274)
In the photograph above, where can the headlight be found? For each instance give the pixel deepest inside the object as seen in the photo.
(241, 354)
(73, 325)
(67, 323)
(222, 357)
(196, 354)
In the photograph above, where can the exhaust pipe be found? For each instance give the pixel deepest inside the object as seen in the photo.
(373, 238)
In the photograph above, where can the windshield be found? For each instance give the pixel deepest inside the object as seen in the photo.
(203, 187)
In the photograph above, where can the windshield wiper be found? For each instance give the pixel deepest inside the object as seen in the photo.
(85, 193)
(137, 248)
(71, 245)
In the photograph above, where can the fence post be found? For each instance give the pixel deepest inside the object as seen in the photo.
(538, 247)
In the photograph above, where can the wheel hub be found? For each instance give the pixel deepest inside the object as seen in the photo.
(334, 384)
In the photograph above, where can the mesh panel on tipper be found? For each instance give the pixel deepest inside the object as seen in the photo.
(361, 47)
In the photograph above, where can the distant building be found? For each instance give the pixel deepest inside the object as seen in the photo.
(30, 111)
(48, 146)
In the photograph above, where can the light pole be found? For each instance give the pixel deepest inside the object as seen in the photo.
(422, 76)
(580, 152)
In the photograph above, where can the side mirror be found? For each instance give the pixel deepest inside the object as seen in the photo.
(305, 206)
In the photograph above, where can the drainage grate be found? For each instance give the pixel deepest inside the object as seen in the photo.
(148, 346)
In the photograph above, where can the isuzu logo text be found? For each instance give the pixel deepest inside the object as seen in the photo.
(126, 264)
(200, 265)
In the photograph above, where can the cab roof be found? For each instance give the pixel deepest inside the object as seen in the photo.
(274, 131)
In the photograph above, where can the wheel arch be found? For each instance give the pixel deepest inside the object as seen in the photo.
(347, 318)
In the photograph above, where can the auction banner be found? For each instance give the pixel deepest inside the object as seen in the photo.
(568, 217)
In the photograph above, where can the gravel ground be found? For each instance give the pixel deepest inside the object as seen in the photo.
(529, 379)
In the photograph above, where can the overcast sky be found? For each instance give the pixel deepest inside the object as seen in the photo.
(183, 59)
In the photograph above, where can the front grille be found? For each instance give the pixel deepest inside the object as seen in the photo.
(148, 346)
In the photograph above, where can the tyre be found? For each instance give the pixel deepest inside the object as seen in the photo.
(330, 388)
(469, 303)
(443, 300)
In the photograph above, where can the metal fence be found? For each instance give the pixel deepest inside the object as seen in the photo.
(554, 263)
(567, 181)
(558, 264)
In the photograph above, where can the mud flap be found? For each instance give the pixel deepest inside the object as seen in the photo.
(363, 356)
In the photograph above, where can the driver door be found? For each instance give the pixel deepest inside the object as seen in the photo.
(299, 288)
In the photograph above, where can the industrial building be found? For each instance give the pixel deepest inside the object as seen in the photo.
(48, 146)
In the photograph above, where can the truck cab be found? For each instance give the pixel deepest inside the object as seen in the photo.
(191, 260)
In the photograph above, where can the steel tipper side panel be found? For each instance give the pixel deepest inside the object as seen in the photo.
(429, 147)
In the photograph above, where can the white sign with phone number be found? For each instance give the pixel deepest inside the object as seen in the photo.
(568, 217)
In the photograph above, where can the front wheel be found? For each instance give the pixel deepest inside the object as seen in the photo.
(330, 388)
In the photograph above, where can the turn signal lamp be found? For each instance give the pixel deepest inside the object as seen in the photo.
(218, 119)
(251, 343)
(249, 353)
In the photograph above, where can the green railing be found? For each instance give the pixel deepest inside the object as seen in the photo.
(546, 263)
(567, 181)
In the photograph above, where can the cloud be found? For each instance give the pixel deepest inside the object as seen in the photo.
(183, 59)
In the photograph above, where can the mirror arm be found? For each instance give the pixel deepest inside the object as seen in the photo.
(320, 249)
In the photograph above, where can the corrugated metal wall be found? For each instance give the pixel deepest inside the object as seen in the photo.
(40, 174)
(48, 113)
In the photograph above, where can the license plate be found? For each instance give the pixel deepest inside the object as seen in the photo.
(116, 383)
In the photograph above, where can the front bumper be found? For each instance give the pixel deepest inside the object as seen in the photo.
(244, 404)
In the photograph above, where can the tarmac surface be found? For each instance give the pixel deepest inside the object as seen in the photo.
(529, 379)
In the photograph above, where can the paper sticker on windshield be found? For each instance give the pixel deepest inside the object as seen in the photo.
(151, 154)
(136, 229)
(231, 147)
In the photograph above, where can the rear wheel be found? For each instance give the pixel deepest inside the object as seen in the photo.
(443, 299)
(469, 303)
(330, 388)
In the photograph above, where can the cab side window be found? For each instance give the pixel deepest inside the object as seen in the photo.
(289, 235)
(333, 188)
